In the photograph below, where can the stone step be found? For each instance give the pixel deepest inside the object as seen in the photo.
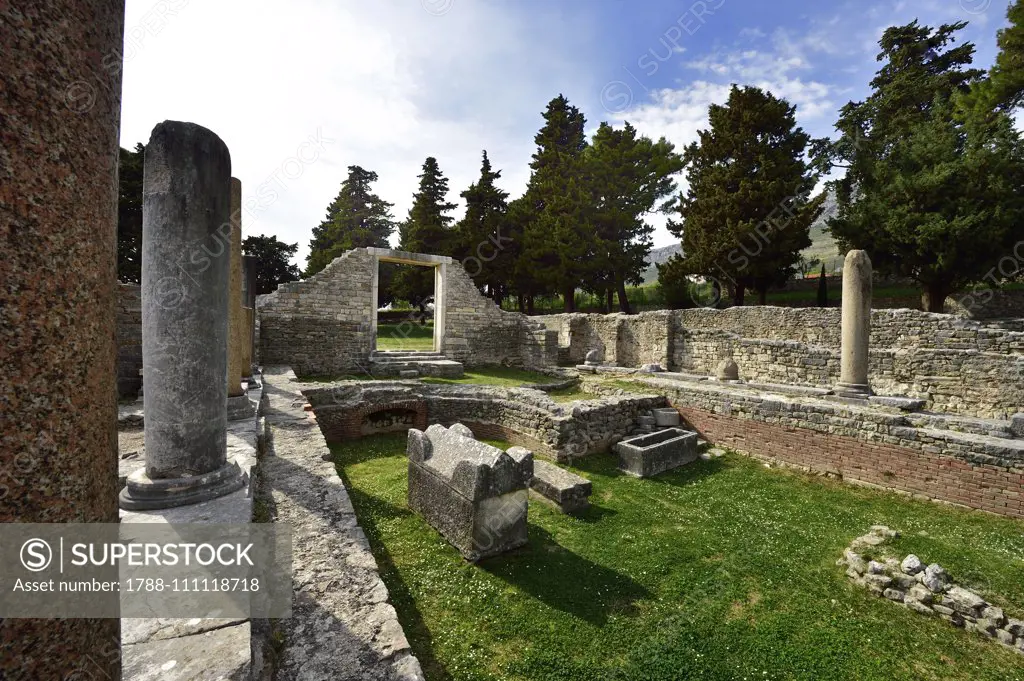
(417, 354)
(437, 368)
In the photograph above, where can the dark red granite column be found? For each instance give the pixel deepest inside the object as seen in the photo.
(60, 99)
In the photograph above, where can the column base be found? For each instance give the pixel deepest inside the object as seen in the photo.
(142, 493)
(862, 390)
(240, 407)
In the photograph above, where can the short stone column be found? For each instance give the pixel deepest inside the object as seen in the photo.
(58, 211)
(856, 321)
(185, 269)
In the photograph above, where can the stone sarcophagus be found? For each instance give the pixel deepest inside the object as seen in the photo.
(658, 452)
(474, 494)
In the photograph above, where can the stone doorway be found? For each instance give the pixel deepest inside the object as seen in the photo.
(439, 263)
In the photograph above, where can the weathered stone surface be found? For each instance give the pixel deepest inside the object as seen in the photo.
(934, 577)
(1005, 637)
(903, 580)
(876, 568)
(918, 606)
(58, 215)
(593, 358)
(658, 452)
(651, 368)
(236, 321)
(921, 593)
(342, 626)
(666, 418)
(727, 370)
(1015, 626)
(855, 561)
(462, 430)
(210, 656)
(894, 595)
(1017, 425)
(472, 493)
(911, 565)
(994, 614)
(569, 492)
(964, 601)
(185, 268)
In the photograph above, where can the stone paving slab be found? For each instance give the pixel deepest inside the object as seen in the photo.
(342, 625)
(208, 656)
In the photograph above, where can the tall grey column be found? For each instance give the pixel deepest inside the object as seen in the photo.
(60, 113)
(856, 320)
(249, 302)
(236, 321)
(185, 267)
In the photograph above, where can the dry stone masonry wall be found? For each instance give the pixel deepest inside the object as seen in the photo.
(927, 590)
(129, 339)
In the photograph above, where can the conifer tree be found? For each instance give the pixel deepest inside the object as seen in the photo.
(746, 210)
(426, 230)
(357, 218)
(928, 194)
(480, 244)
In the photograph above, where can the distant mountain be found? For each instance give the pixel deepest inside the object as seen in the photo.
(658, 256)
(823, 246)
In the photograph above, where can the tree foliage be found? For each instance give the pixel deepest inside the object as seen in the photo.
(928, 194)
(629, 177)
(357, 218)
(558, 207)
(746, 213)
(129, 215)
(479, 242)
(273, 261)
(428, 229)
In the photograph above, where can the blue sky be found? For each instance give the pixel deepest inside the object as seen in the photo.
(299, 94)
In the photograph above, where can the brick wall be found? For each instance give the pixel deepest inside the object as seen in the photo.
(869, 446)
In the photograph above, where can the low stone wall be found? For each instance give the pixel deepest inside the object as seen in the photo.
(523, 416)
(927, 590)
(129, 339)
(987, 303)
(867, 445)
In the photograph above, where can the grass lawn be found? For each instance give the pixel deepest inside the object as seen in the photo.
(405, 336)
(508, 377)
(721, 570)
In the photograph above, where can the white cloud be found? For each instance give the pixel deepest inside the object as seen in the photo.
(384, 84)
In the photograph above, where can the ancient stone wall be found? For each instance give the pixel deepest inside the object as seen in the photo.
(323, 325)
(523, 416)
(129, 340)
(478, 332)
(957, 365)
(867, 446)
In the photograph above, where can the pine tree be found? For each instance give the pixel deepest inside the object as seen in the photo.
(357, 218)
(926, 194)
(746, 210)
(557, 240)
(628, 176)
(479, 243)
(426, 230)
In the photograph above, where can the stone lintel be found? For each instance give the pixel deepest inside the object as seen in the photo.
(407, 258)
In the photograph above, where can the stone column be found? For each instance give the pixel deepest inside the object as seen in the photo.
(856, 320)
(61, 103)
(185, 267)
(248, 311)
(238, 405)
(236, 321)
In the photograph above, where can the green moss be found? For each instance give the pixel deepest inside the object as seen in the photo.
(720, 570)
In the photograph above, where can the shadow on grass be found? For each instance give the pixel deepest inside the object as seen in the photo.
(595, 514)
(566, 581)
(369, 510)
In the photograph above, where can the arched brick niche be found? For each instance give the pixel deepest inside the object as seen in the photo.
(370, 419)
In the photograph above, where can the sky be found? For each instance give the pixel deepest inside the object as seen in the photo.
(301, 90)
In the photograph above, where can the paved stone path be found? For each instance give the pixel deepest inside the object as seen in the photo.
(342, 626)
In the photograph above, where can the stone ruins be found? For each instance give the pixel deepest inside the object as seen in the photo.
(232, 428)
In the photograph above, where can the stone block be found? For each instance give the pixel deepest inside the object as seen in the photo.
(666, 418)
(964, 601)
(1017, 425)
(658, 452)
(474, 494)
(569, 492)
(911, 565)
